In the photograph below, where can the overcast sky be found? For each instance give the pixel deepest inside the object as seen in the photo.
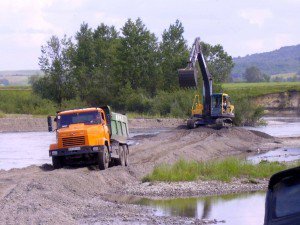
(242, 27)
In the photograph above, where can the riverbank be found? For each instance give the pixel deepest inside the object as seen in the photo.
(41, 195)
(31, 123)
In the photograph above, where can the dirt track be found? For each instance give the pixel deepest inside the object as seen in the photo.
(40, 195)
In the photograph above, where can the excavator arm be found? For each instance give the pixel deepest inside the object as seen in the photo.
(188, 76)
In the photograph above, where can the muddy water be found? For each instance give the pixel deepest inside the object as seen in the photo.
(19, 150)
(247, 209)
(279, 155)
(280, 126)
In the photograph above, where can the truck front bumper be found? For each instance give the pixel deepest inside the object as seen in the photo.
(75, 150)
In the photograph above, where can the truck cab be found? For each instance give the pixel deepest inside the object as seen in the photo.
(93, 135)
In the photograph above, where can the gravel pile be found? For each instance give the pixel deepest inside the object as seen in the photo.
(194, 188)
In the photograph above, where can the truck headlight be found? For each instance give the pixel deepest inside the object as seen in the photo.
(54, 153)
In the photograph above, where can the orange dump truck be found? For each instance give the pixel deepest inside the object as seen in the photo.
(89, 135)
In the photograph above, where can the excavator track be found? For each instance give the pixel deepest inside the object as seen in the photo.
(223, 122)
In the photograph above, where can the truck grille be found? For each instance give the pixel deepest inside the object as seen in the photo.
(73, 141)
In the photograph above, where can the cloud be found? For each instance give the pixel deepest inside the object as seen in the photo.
(283, 39)
(23, 18)
(101, 17)
(255, 45)
(25, 25)
(256, 16)
(242, 27)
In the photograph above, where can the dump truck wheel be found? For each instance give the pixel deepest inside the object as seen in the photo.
(121, 159)
(57, 162)
(126, 151)
(103, 158)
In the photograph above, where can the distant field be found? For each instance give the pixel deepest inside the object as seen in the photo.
(18, 77)
(19, 72)
(257, 89)
(283, 75)
(3, 88)
(16, 80)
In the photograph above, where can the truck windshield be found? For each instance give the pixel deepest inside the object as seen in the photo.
(65, 120)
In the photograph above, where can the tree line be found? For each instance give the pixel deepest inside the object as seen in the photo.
(120, 67)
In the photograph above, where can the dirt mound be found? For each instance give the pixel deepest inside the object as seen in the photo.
(198, 144)
(261, 134)
(35, 196)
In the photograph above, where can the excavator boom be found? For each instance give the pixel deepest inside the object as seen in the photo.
(188, 76)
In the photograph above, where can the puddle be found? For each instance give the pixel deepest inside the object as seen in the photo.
(139, 134)
(279, 155)
(247, 209)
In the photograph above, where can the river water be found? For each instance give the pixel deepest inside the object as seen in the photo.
(22, 149)
(18, 150)
(280, 126)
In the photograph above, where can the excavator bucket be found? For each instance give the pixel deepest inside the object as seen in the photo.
(187, 78)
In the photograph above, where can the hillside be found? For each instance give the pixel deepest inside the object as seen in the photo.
(281, 61)
(19, 72)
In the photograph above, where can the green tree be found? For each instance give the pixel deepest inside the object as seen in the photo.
(138, 57)
(266, 78)
(102, 89)
(219, 63)
(84, 60)
(55, 61)
(106, 41)
(174, 54)
(253, 74)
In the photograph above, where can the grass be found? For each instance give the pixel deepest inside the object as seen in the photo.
(2, 114)
(250, 90)
(23, 101)
(223, 170)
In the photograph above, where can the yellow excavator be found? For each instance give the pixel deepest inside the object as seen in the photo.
(215, 108)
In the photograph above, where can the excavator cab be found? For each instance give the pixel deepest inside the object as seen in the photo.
(187, 78)
(221, 105)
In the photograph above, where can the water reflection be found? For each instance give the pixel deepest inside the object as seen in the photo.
(234, 209)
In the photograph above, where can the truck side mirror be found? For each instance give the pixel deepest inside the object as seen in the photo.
(49, 120)
(283, 198)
